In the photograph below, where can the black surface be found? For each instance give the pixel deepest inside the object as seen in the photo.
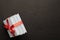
(41, 18)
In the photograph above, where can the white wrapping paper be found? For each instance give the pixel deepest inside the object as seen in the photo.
(20, 30)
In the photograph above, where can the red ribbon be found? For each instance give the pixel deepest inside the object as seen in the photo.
(11, 28)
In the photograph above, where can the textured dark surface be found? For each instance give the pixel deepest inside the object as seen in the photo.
(41, 18)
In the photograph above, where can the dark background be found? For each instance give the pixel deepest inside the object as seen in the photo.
(41, 17)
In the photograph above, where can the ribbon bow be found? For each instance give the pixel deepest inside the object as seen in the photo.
(11, 28)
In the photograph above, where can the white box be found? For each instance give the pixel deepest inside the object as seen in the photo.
(19, 30)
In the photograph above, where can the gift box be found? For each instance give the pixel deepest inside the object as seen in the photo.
(14, 26)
